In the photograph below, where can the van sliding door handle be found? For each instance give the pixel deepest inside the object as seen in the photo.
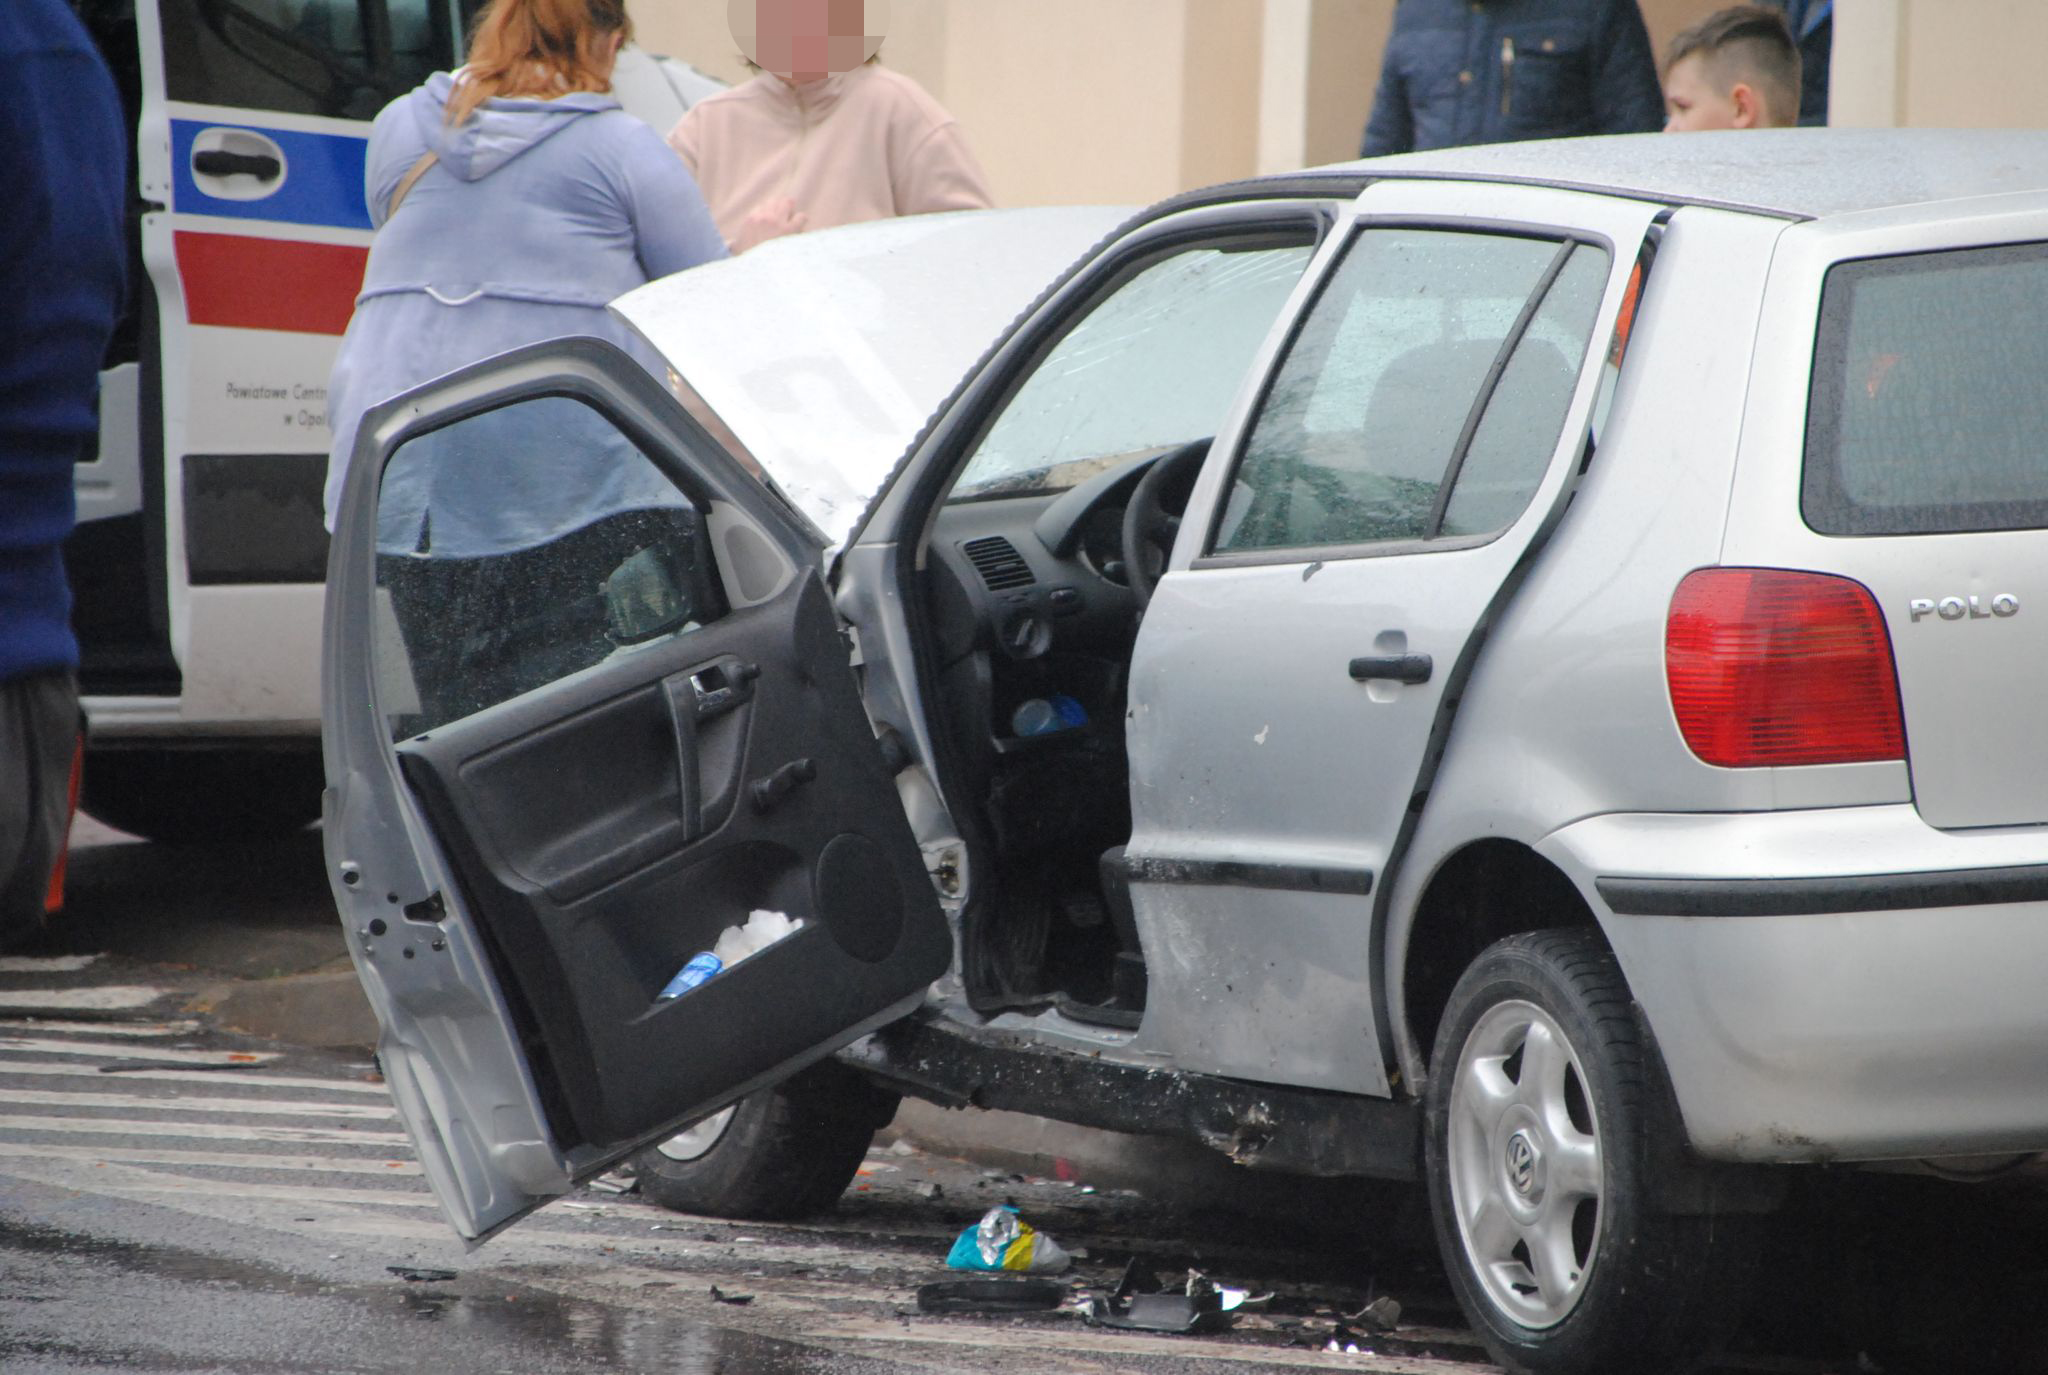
(1397, 668)
(218, 162)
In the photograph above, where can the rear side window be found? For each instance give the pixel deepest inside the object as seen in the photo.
(342, 58)
(1930, 395)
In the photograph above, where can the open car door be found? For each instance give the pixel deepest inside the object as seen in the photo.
(587, 710)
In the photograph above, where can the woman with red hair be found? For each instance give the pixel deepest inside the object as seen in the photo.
(514, 200)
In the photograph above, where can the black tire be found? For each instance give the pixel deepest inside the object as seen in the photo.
(1628, 1286)
(786, 1152)
(203, 796)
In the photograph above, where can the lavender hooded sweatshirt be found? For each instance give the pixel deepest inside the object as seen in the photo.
(537, 213)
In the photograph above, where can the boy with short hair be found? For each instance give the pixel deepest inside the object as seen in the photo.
(1736, 69)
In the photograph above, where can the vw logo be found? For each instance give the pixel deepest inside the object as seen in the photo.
(1522, 1163)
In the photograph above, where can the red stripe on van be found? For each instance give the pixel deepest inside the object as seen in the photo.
(249, 283)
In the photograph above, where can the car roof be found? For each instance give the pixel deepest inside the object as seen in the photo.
(1791, 173)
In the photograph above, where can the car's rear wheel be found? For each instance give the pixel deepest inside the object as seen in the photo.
(1546, 1107)
(202, 796)
(784, 1152)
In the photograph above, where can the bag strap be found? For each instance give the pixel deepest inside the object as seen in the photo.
(418, 170)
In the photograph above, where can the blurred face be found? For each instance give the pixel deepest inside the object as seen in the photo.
(808, 40)
(1692, 102)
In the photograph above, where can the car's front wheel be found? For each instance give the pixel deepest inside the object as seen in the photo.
(1546, 1109)
(778, 1153)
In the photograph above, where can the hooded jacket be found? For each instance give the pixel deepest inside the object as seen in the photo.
(535, 215)
(867, 144)
(1458, 72)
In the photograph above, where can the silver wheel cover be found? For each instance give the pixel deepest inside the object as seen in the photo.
(695, 1141)
(1525, 1177)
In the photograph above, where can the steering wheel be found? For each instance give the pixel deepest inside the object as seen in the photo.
(1149, 527)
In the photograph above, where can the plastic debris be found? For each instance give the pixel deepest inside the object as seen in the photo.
(991, 1296)
(1383, 1314)
(737, 1300)
(1137, 1305)
(616, 1182)
(928, 1190)
(419, 1274)
(1004, 1241)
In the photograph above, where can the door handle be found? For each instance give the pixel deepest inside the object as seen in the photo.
(1398, 668)
(681, 693)
(218, 162)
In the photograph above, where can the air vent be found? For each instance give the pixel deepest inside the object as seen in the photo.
(998, 562)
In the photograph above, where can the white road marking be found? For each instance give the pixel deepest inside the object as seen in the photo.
(188, 1076)
(40, 1024)
(46, 964)
(106, 1051)
(111, 998)
(204, 1131)
(247, 1160)
(267, 1107)
(1084, 1341)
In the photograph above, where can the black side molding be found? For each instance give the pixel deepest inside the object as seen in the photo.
(1239, 874)
(1787, 897)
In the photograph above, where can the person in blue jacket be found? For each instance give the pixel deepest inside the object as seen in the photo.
(1813, 26)
(64, 164)
(513, 200)
(1490, 71)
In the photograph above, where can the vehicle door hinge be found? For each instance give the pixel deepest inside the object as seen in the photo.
(850, 633)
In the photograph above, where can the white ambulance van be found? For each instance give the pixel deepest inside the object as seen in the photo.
(199, 553)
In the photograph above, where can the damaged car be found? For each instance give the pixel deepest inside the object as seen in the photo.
(1508, 668)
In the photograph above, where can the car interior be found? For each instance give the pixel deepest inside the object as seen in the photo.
(1038, 563)
(1032, 579)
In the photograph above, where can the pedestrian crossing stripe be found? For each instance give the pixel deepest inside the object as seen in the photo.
(46, 964)
(106, 1051)
(169, 1075)
(110, 998)
(135, 1029)
(206, 1131)
(262, 1106)
(240, 1160)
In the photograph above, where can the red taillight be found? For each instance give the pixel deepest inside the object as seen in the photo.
(1769, 667)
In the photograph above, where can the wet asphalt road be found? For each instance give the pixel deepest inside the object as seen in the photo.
(221, 1204)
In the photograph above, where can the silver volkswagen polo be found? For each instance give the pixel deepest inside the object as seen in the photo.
(1513, 668)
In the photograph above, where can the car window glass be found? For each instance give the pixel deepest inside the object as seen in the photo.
(341, 58)
(1928, 402)
(1511, 448)
(1354, 441)
(490, 586)
(1152, 366)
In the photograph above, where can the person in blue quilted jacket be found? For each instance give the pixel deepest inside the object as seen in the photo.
(63, 266)
(1495, 71)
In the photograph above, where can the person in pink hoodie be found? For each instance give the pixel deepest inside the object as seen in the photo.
(823, 136)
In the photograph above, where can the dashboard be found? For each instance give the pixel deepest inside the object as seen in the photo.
(1027, 576)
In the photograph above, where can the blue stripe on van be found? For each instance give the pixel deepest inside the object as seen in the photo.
(322, 182)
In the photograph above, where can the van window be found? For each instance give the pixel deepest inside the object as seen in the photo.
(342, 58)
(1928, 408)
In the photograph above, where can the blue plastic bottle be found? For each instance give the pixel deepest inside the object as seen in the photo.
(701, 969)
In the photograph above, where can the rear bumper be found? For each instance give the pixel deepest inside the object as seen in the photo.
(1847, 984)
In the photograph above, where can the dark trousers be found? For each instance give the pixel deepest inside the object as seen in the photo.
(38, 733)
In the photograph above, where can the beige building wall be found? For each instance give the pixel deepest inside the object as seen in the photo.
(1940, 63)
(1127, 101)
